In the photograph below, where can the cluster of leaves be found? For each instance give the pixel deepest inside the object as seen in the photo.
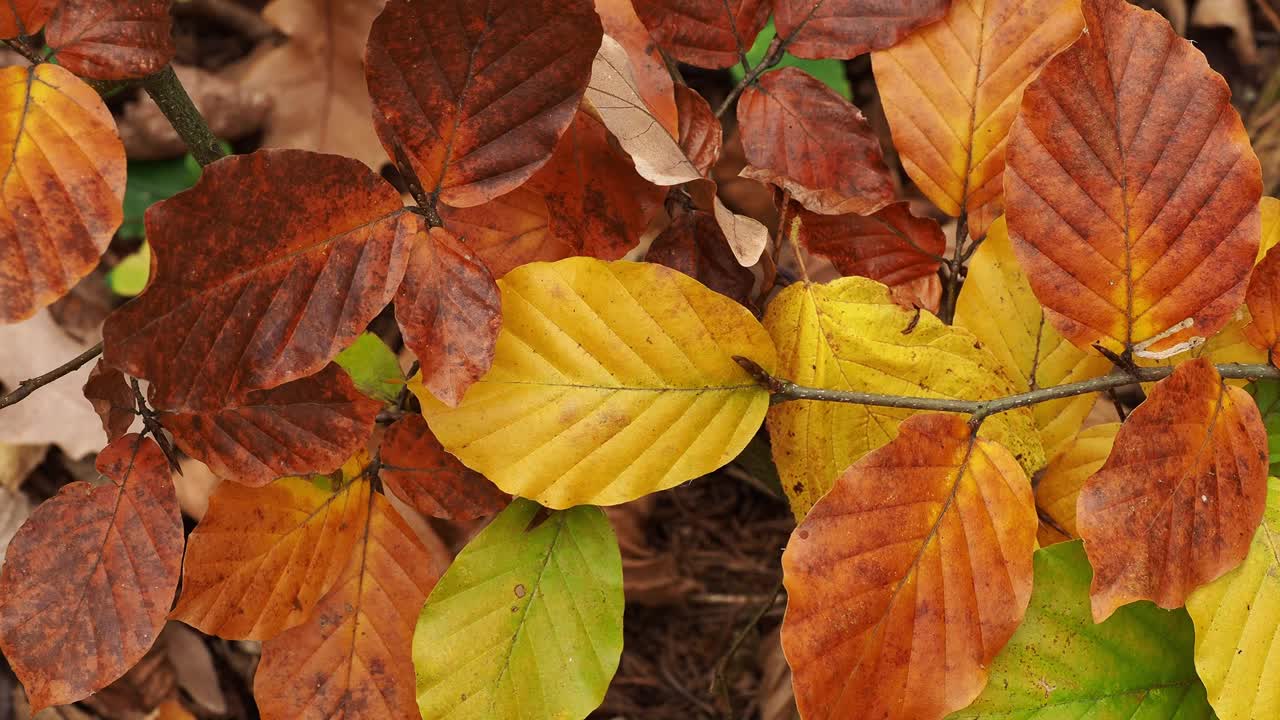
(1110, 213)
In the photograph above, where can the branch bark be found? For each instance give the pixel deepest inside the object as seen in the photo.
(26, 387)
(771, 58)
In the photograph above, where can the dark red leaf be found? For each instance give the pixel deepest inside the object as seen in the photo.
(112, 39)
(24, 17)
(417, 469)
(706, 33)
(701, 135)
(112, 399)
(891, 246)
(694, 245)
(847, 28)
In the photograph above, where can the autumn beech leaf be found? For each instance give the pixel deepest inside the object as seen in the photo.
(1178, 499)
(449, 313)
(593, 399)
(803, 137)
(952, 89)
(653, 79)
(418, 470)
(1237, 619)
(527, 621)
(844, 29)
(353, 658)
(694, 245)
(512, 230)
(700, 134)
(318, 248)
(850, 334)
(112, 399)
(262, 558)
(998, 306)
(928, 537)
(1059, 665)
(1131, 190)
(704, 33)
(475, 94)
(311, 425)
(1263, 300)
(373, 367)
(747, 238)
(90, 576)
(58, 147)
(111, 40)
(1058, 485)
(25, 17)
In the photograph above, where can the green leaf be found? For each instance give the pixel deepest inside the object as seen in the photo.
(830, 72)
(527, 622)
(1138, 665)
(373, 368)
(1266, 393)
(149, 182)
(129, 277)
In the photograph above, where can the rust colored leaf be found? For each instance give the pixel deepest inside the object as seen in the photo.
(1132, 206)
(261, 558)
(1263, 299)
(476, 92)
(113, 40)
(58, 149)
(652, 76)
(310, 425)
(89, 578)
(805, 138)
(694, 245)
(353, 659)
(449, 311)
(907, 578)
(1181, 493)
(317, 248)
(700, 134)
(848, 28)
(112, 399)
(509, 231)
(891, 246)
(25, 17)
(705, 33)
(416, 468)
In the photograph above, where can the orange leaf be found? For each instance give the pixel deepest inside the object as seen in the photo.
(1181, 493)
(24, 17)
(652, 76)
(694, 245)
(891, 246)
(1133, 207)
(705, 33)
(58, 149)
(907, 578)
(261, 558)
(113, 40)
(449, 312)
(317, 248)
(476, 94)
(700, 134)
(418, 469)
(311, 425)
(89, 578)
(848, 28)
(510, 230)
(805, 138)
(112, 398)
(353, 658)
(1263, 299)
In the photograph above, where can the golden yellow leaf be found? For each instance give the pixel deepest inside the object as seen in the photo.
(851, 335)
(1059, 485)
(611, 380)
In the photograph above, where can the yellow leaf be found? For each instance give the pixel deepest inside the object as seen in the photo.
(1270, 208)
(1237, 619)
(1059, 485)
(851, 335)
(611, 380)
(997, 305)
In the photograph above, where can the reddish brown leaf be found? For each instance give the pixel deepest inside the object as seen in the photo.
(353, 658)
(1177, 501)
(847, 28)
(89, 578)
(1263, 299)
(509, 231)
(652, 76)
(701, 136)
(317, 248)
(435, 483)
(24, 17)
(449, 311)
(802, 136)
(113, 40)
(477, 93)
(694, 245)
(705, 33)
(891, 246)
(311, 425)
(112, 399)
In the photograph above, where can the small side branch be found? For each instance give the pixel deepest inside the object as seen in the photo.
(167, 92)
(26, 387)
(771, 58)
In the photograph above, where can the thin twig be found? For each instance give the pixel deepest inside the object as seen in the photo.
(26, 387)
(955, 266)
(172, 99)
(776, 49)
(719, 682)
(21, 47)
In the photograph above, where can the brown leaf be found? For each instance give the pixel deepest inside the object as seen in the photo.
(136, 694)
(194, 668)
(231, 109)
(353, 658)
(805, 138)
(705, 33)
(477, 94)
(1181, 493)
(652, 77)
(847, 28)
(112, 398)
(89, 578)
(114, 40)
(700, 135)
(318, 247)
(511, 230)
(24, 17)
(891, 246)
(694, 245)
(1263, 299)
(309, 425)
(928, 537)
(416, 468)
(58, 148)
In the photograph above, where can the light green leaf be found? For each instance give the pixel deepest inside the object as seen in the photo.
(149, 182)
(830, 72)
(373, 368)
(129, 277)
(527, 622)
(1060, 666)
